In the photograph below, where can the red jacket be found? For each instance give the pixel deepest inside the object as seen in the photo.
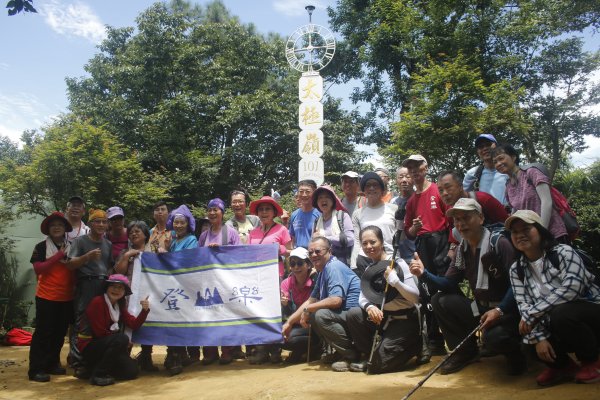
(97, 322)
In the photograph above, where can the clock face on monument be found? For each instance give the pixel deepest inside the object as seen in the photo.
(310, 48)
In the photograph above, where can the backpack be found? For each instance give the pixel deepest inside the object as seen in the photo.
(17, 337)
(588, 263)
(343, 238)
(560, 202)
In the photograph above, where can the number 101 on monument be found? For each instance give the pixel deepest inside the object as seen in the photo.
(312, 168)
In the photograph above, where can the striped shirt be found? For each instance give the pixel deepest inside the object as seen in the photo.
(569, 282)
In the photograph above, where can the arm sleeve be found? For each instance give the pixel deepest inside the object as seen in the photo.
(543, 191)
(133, 322)
(348, 228)
(41, 267)
(493, 210)
(407, 288)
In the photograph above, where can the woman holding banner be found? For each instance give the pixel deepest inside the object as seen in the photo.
(182, 223)
(266, 208)
(219, 234)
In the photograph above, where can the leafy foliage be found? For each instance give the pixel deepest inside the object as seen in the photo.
(206, 101)
(17, 6)
(74, 157)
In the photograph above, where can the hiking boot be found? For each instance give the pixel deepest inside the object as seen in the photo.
(102, 380)
(458, 361)
(360, 366)
(238, 354)
(82, 372)
(259, 357)
(173, 364)
(226, 355)
(144, 360)
(340, 366)
(588, 373)
(295, 357)
(40, 377)
(424, 355)
(58, 370)
(516, 364)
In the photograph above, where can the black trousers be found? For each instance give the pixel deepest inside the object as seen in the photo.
(400, 341)
(109, 355)
(575, 328)
(52, 319)
(456, 320)
(85, 291)
(432, 249)
(298, 341)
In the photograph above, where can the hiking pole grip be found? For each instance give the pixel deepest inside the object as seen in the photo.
(422, 381)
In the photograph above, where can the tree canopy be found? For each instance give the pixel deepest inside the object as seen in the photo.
(527, 50)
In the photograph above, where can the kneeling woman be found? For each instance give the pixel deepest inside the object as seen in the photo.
(398, 322)
(558, 302)
(105, 348)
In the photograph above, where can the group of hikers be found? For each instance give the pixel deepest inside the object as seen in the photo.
(368, 282)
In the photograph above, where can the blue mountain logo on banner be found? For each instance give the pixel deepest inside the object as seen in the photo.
(209, 299)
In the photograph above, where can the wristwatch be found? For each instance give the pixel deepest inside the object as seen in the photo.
(306, 310)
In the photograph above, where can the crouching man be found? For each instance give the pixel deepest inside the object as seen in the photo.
(485, 265)
(335, 292)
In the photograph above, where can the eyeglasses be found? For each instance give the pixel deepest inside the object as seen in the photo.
(294, 264)
(318, 251)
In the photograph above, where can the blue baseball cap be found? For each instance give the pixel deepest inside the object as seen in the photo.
(486, 136)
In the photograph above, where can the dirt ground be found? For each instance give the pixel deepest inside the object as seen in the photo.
(240, 380)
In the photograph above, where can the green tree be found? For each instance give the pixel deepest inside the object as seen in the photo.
(17, 6)
(205, 100)
(395, 44)
(74, 157)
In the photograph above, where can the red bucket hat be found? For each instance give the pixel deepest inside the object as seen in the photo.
(269, 200)
(44, 227)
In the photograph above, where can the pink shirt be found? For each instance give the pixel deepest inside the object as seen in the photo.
(523, 196)
(296, 294)
(276, 234)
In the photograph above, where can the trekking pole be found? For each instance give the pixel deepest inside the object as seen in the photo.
(308, 350)
(442, 362)
(379, 329)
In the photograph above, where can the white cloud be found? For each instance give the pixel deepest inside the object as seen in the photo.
(73, 20)
(4, 66)
(295, 8)
(22, 111)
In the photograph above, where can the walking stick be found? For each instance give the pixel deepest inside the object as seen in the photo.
(442, 362)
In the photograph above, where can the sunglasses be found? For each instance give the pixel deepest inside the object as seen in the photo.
(317, 251)
(294, 264)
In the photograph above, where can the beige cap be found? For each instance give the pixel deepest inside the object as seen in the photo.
(464, 204)
(527, 216)
(415, 157)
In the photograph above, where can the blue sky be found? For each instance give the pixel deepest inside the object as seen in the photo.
(39, 50)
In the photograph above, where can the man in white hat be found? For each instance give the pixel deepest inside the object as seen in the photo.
(352, 199)
(485, 263)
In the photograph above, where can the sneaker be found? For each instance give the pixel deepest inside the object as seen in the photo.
(145, 362)
(588, 373)
(516, 364)
(102, 380)
(360, 366)
(553, 376)
(173, 364)
(330, 358)
(458, 362)
(341, 366)
(40, 377)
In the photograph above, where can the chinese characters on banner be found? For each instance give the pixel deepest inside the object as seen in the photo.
(310, 120)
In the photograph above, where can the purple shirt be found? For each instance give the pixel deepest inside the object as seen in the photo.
(207, 237)
(522, 196)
